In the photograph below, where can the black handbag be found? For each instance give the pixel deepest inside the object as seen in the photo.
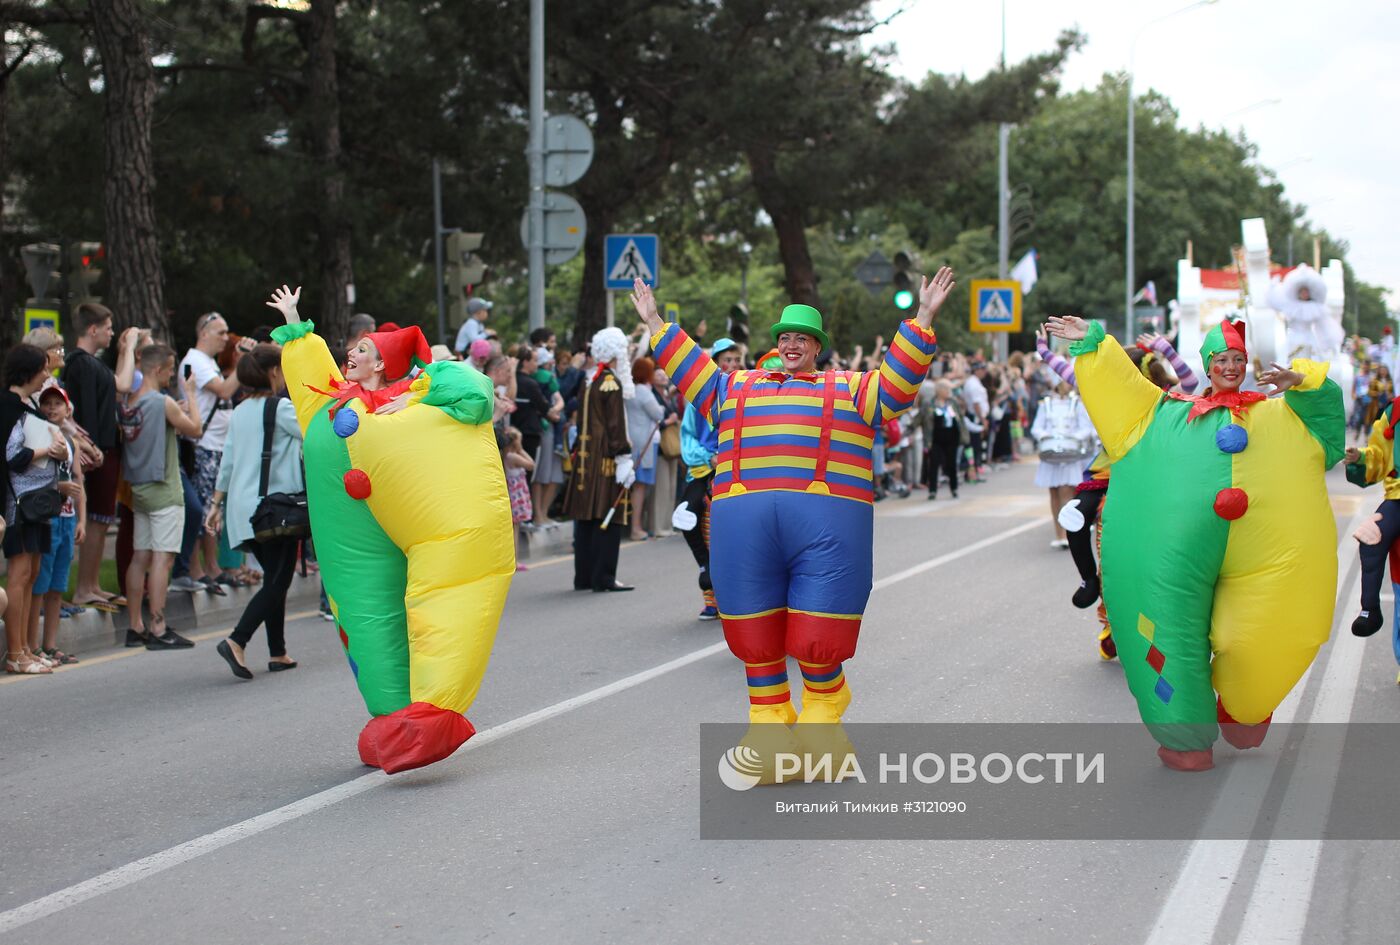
(38, 507)
(279, 515)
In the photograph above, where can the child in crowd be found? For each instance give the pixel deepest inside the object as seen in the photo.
(518, 464)
(66, 530)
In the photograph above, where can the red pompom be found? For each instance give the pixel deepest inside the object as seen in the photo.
(1230, 504)
(357, 484)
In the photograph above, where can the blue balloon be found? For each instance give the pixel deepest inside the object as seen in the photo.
(346, 422)
(1231, 438)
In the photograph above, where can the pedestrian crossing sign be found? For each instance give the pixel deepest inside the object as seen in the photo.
(996, 305)
(631, 256)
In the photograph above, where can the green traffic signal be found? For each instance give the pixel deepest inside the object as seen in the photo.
(904, 299)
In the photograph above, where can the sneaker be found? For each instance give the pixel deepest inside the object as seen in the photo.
(170, 641)
(327, 615)
(709, 613)
(135, 638)
(186, 584)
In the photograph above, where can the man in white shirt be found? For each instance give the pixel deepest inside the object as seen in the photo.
(213, 396)
(475, 326)
(974, 394)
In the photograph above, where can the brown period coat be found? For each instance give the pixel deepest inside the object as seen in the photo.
(592, 488)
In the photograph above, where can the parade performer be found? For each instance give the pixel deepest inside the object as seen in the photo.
(1243, 568)
(792, 517)
(1086, 508)
(412, 523)
(1376, 538)
(1301, 298)
(595, 495)
(699, 451)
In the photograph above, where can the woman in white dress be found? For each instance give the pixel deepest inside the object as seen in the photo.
(1065, 437)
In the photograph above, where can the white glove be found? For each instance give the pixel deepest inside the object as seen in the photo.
(625, 474)
(1071, 516)
(682, 519)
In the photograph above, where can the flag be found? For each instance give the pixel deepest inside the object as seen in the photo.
(1024, 272)
(1147, 293)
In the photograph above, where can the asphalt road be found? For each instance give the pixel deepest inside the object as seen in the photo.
(153, 797)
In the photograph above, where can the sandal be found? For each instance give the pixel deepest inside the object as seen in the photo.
(59, 657)
(230, 579)
(26, 668)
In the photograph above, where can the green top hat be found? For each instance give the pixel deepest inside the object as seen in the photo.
(801, 318)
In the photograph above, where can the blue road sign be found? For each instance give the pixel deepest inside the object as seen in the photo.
(629, 256)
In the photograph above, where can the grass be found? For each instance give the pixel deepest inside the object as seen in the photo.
(106, 577)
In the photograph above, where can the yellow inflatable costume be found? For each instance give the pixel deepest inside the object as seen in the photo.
(1231, 590)
(413, 532)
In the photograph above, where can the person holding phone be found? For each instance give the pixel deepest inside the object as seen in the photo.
(214, 392)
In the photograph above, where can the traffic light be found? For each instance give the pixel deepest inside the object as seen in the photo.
(903, 280)
(739, 324)
(84, 269)
(41, 267)
(463, 269)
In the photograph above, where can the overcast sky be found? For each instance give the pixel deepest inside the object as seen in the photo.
(1333, 137)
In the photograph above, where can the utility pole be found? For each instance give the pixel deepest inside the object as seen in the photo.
(437, 251)
(535, 154)
(1001, 342)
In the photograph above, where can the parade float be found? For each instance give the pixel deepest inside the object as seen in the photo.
(1288, 312)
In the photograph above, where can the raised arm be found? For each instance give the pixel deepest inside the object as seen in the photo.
(1057, 363)
(1120, 401)
(1163, 347)
(693, 372)
(884, 394)
(306, 361)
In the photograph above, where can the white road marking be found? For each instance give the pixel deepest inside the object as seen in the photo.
(1191, 912)
(148, 866)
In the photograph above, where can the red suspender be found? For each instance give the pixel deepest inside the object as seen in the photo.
(828, 413)
(739, 426)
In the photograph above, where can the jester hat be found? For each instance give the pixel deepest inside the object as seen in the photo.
(401, 351)
(1228, 335)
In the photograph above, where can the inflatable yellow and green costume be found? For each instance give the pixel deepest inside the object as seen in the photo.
(1231, 590)
(412, 525)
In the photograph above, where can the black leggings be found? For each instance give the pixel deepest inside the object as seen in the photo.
(1080, 547)
(695, 496)
(269, 605)
(942, 456)
(1373, 556)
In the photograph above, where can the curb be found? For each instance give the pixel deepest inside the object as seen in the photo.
(95, 630)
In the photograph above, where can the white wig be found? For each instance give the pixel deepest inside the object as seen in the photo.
(610, 347)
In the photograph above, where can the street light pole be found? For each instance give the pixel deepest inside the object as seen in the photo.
(1129, 249)
(535, 154)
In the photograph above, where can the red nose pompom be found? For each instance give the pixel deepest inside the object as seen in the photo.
(1230, 504)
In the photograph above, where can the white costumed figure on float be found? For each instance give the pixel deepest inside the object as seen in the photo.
(1312, 331)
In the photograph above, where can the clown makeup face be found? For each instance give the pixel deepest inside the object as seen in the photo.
(362, 362)
(729, 360)
(1227, 370)
(1303, 294)
(799, 351)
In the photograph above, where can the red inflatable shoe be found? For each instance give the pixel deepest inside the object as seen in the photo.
(1239, 734)
(419, 734)
(1186, 760)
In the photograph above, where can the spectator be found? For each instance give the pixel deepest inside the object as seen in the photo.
(65, 529)
(668, 439)
(92, 387)
(443, 353)
(518, 465)
(30, 445)
(945, 432)
(151, 465)
(479, 353)
(549, 466)
(214, 392)
(532, 410)
(501, 370)
(644, 416)
(239, 482)
(359, 326)
(478, 310)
